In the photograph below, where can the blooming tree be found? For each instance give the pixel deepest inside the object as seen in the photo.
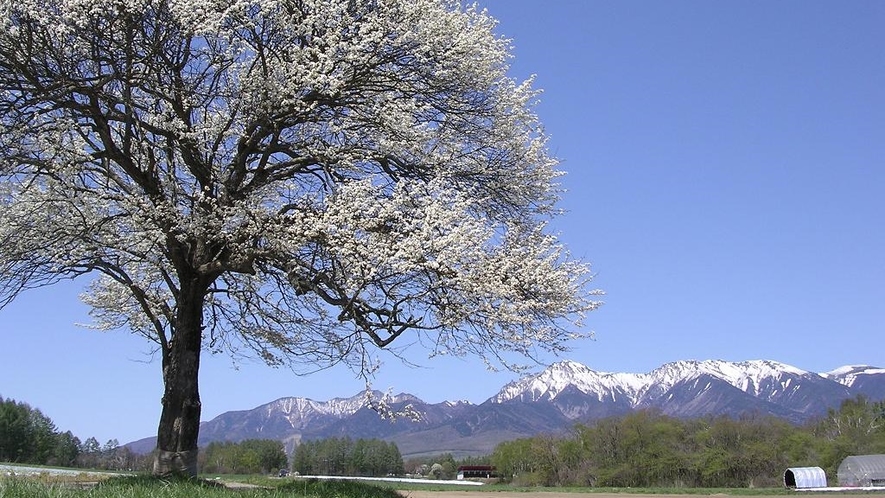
(301, 179)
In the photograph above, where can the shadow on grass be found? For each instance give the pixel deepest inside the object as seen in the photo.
(148, 481)
(336, 489)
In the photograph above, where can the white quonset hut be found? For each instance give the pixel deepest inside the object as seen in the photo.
(805, 478)
(862, 471)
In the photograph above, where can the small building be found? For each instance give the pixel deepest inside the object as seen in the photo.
(805, 478)
(863, 471)
(476, 472)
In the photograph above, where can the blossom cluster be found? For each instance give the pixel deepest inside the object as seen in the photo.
(329, 175)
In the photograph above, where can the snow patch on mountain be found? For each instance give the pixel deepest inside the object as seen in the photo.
(297, 410)
(458, 403)
(754, 377)
(749, 376)
(552, 381)
(849, 374)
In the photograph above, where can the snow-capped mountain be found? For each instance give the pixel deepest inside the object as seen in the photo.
(284, 415)
(553, 400)
(682, 388)
(560, 376)
(861, 379)
(759, 378)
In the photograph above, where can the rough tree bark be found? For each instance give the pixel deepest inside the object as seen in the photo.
(179, 425)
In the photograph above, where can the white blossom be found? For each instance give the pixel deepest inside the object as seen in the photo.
(335, 173)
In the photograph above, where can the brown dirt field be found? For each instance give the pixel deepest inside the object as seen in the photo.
(559, 494)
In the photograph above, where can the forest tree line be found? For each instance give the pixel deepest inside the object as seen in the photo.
(252, 456)
(346, 456)
(642, 449)
(647, 448)
(29, 436)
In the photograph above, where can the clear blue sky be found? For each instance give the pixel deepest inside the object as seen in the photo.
(726, 180)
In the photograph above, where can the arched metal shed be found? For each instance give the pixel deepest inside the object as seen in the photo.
(862, 471)
(805, 477)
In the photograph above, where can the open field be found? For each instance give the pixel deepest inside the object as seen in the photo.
(18, 488)
(29, 482)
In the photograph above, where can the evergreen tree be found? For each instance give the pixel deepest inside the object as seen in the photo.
(345, 456)
(67, 447)
(15, 431)
(26, 435)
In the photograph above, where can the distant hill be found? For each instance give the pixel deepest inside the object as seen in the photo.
(552, 401)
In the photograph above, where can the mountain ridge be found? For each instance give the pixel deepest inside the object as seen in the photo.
(553, 400)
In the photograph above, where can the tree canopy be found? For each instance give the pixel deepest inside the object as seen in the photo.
(251, 456)
(345, 456)
(26, 435)
(650, 449)
(299, 179)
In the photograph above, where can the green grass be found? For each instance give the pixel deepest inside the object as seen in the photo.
(148, 487)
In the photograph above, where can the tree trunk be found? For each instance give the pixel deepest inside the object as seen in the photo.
(180, 419)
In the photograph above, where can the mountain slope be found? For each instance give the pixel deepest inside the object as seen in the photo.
(861, 379)
(552, 401)
(681, 388)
